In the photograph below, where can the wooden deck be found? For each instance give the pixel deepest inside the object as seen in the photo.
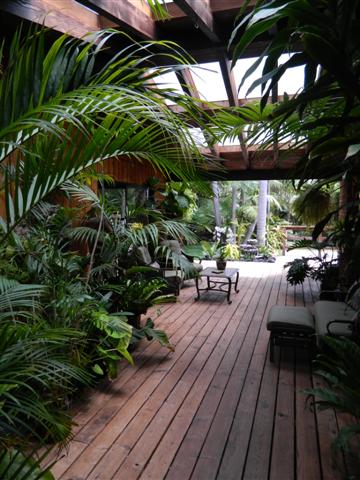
(216, 407)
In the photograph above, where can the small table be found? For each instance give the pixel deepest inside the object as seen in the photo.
(218, 280)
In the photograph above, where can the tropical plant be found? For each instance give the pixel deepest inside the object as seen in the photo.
(323, 117)
(110, 336)
(17, 465)
(339, 367)
(318, 267)
(316, 31)
(136, 294)
(311, 205)
(37, 377)
(61, 114)
(230, 251)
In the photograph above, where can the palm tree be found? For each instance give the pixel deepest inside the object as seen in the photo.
(61, 113)
(216, 203)
(262, 213)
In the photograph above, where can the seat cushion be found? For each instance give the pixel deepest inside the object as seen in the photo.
(143, 255)
(174, 246)
(291, 319)
(326, 311)
(198, 267)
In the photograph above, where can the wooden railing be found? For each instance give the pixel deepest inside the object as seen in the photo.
(297, 228)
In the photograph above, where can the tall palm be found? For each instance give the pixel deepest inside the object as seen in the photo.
(262, 213)
(216, 203)
(60, 113)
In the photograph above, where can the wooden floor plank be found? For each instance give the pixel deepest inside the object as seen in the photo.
(233, 461)
(138, 457)
(216, 408)
(283, 448)
(211, 453)
(259, 448)
(161, 459)
(105, 435)
(307, 454)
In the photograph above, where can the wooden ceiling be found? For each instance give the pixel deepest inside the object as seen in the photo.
(201, 27)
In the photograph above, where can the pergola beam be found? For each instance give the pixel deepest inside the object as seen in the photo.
(200, 13)
(65, 17)
(187, 83)
(125, 14)
(232, 94)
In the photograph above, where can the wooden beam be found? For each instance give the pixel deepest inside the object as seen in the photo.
(200, 13)
(229, 5)
(215, 7)
(126, 15)
(187, 83)
(66, 16)
(232, 93)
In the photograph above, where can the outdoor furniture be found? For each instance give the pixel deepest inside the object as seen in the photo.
(186, 262)
(219, 281)
(339, 318)
(296, 326)
(172, 275)
(290, 326)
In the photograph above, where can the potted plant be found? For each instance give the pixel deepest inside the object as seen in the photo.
(136, 294)
(221, 258)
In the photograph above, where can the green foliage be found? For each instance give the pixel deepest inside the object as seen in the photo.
(324, 114)
(312, 205)
(211, 249)
(230, 251)
(138, 294)
(275, 238)
(339, 367)
(318, 268)
(16, 465)
(113, 335)
(299, 269)
(149, 332)
(37, 376)
(50, 96)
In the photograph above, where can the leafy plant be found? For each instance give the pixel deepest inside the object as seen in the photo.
(339, 367)
(36, 379)
(318, 268)
(230, 251)
(16, 465)
(56, 97)
(112, 336)
(149, 332)
(323, 116)
(138, 294)
(299, 269)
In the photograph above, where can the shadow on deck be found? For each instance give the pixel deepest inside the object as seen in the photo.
(216, 407)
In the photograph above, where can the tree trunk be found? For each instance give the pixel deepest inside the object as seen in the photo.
(215, 189)
(250, 231)
(262, 211)
(234, 205)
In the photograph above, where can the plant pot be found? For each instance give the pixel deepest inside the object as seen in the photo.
(221, 264)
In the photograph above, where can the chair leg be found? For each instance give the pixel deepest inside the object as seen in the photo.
(272, 343)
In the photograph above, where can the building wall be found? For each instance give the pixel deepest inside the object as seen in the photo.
(129, 170)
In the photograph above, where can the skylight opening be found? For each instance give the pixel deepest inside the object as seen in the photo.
(291, 82)
(209, 81)
(168, 81)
